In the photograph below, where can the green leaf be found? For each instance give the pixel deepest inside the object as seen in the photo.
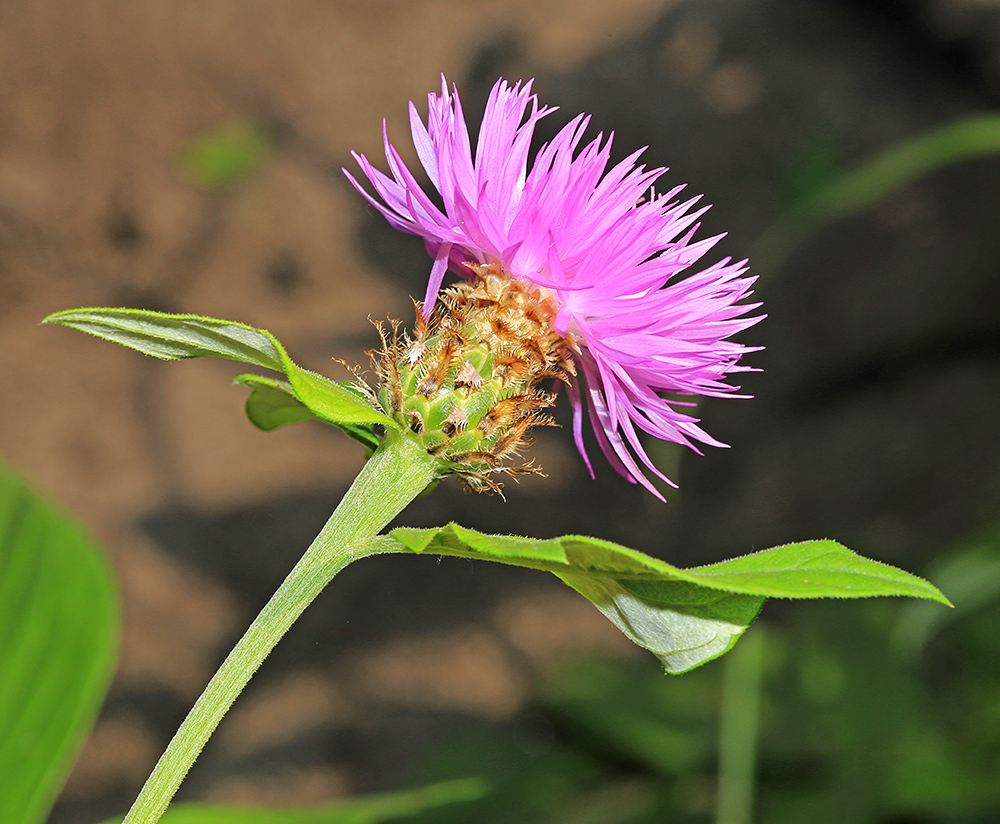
(457, 540)
(58, 637)
(273, 403)
(372, 809)
(814, 569)
(682, 624)
(223, 157)
(173, 337)
(331, 400)
(683, 616)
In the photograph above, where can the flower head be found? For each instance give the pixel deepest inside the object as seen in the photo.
(612, 260)
(471, 383)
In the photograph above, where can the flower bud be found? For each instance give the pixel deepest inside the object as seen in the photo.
(474, 378)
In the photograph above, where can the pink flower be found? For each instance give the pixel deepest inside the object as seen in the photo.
(614, 258)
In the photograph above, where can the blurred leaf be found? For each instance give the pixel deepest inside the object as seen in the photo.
(172, 337)
(816, 165)
(226, 156)
(929, 774)
(664, 726)
(58, 636)
(372, 809)
(534, 778)
(972, 576)
(684, 617)
(875, 180)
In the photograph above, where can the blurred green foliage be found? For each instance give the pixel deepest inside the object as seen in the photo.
(818, 195)
(816, 165)
(371, 809)
(225, 156)
(58, 639)
(869, 713)
(59, 630)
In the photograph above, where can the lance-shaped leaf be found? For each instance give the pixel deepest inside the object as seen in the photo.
(683, 616)
(172, 337)
(814, 569)
(58, 637)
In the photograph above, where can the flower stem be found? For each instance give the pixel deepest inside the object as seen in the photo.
(394, 475)
(742, 674)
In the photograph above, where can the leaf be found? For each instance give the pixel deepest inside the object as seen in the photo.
(372, 809)
(683, 616)
(223, 157)
(173, 337)
(273, 403)
(682, 624)
(814, 569)
(460, 541)
(331, 400)
(58, 637)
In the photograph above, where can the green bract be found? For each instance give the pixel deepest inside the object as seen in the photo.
(475, 378)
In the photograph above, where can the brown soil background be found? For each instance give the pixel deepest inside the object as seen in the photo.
(875, 416)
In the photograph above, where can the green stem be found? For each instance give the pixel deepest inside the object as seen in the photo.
(397, 472)
(741, 689)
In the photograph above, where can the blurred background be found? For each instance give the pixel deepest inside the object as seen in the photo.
(185, 156)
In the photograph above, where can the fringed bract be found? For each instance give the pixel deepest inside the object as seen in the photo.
(474, 379)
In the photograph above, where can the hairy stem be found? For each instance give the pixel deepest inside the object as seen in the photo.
(397, 472)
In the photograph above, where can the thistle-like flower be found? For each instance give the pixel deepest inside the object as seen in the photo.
(602, 258)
